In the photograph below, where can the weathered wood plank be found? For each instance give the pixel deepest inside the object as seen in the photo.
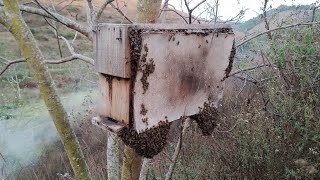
(115, 98)
(112, 51)
(107, 124)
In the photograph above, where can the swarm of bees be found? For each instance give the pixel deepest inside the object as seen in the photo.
(152, 141)
(135, 46)
(206, 119)
(148, 143)
(231, 58)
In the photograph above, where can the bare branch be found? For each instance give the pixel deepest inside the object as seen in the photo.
(187, 5)
(191, 10)
(229, 130)
(246, 79)
(90, 13)
(74, 56)
(198, 5)
(56, 33)
(74, 38)
(102, 8)
(60, 61)
(71, 49)
(276, 29)
(249, 69)
(144, 169)
(71, 58)
(119, 10)
(8, 64)
(2, 157)
(165, 4)
(216, 11)
(66, 21)
(264, 14)
(47, 11)
(186, 124)
(90, 5)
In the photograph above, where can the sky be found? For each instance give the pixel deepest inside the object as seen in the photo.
(230, 8)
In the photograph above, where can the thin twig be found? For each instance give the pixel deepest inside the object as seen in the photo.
(102, 8)
(242, 88)
(229, 130)
(11, 63)
(51, 14)
(66, 21)
(71, 49)
(119, 10)
(2, 157)
(264, 15)
(191, 10)
(74, 56)
(165, 4)
(198, 5)
(249, 69)
(56, 34)
(245, 79)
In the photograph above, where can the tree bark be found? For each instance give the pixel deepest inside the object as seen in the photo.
(131, 164)
(147, 12)
(14, 22)
(114, 151)
(144, 169)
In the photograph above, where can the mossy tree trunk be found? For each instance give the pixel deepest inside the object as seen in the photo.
(114, 152)
(147, 12)
(12, 19)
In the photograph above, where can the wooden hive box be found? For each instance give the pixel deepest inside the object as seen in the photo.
(151, 73)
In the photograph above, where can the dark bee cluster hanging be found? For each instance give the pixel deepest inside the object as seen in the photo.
(148, 143)
(206, 119)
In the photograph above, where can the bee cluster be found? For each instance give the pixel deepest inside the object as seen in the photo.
(148, 143)
(147, 69)
(152, 141)
(231, 59)
(206, 119)
(135, 47)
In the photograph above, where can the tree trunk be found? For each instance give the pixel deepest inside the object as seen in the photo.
(114, 150)
(144, 169)
(14, 22)
(131, 164)
(147, 12)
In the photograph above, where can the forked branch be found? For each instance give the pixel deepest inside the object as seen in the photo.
(102, 8)
(66, 21)
(74, 56)
(120, 12)
(190, 10)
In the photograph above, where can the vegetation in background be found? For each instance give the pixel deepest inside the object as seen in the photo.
(251, 23)
(268, 130)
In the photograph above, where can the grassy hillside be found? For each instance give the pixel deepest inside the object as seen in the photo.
(277, 17)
